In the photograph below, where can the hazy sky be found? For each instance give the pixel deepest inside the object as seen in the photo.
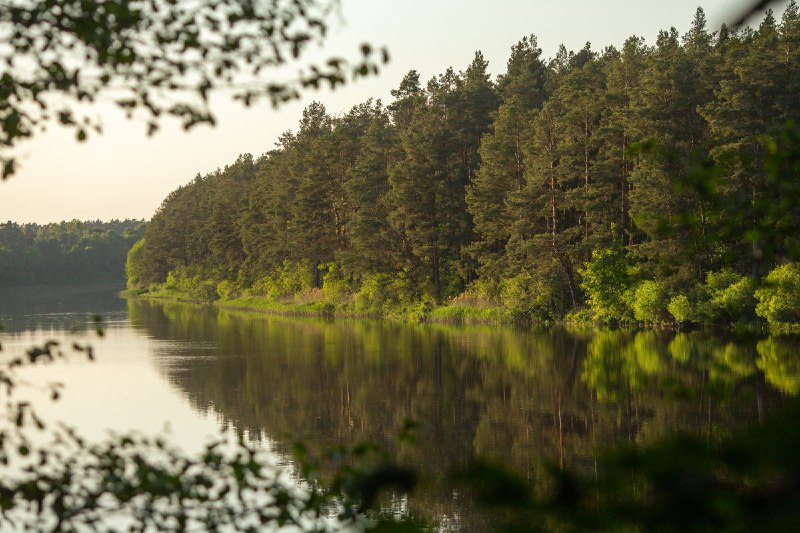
(124, 174)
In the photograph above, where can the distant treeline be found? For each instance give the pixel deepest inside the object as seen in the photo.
(66, 252)
(618, 178)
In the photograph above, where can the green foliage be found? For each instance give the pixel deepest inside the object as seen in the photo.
(171, 284)
(479, 303)
(458, 314)
(481, 292)
(606, 278)
(334, 286)
(284, 281)
(584, 173)
(779, 299)
(529, 298)
(134, 265)
(69, 252)
(724, 299)
(731, 293)
(681, 308)
(677, 483)
(226, 289)
(371, 296)
(192, 283)
(144, 58)
(392, 295)
(648, 302)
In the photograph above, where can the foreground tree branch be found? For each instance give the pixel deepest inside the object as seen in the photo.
(157, 58)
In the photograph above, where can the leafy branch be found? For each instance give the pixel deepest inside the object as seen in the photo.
(158, 57)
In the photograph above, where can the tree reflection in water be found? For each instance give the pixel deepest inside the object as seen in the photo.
(521, 397)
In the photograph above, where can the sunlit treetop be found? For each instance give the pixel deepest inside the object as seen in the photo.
(156, 57)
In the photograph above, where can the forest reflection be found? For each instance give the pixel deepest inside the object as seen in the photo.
(522, 397)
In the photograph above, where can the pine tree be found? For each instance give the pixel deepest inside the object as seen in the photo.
(502, 169)
(370, 237)
(312, 227)
(265, 229)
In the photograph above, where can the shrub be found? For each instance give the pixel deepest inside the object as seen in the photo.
(380, 293)
(605, 279)
(731, 294)
(371, 296)
(530, 298)
(334, 286)
(694, 306)
(680, 308)
(779, 299)
(481, 293)
(134, 265)
(226, 289)
(171, 282)
(286, 280)
(193, 283)
(649, 302)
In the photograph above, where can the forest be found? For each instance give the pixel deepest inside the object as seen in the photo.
(66, 252)
(652, 184)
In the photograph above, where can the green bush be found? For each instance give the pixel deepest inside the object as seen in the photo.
(481, 293)
(649, 302)
(334, 286)
(134, 265)
(530, 298)
(779, 299)
(371, 296)
(681, 309)
(605, 279)
(226, 290)
(286, 280)
(731, 294)
(391, 293)
(419, 311)
(171, 282)
(196, 284)
(693, 306)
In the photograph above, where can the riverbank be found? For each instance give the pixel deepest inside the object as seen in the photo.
(418, 312)
(455, 312)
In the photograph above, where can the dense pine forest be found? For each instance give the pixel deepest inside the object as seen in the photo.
(66, 252)
(652, 183)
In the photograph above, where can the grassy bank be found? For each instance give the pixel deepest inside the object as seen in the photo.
(305, 307)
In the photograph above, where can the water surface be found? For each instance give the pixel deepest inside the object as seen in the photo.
(519, 396)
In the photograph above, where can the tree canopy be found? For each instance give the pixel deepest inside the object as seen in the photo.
(676, 155)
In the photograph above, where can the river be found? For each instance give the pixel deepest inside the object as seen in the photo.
(518, 396)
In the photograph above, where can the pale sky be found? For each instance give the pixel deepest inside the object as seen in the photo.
(124, 174)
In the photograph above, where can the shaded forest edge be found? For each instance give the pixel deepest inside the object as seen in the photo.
(649, 184)
(66, 253)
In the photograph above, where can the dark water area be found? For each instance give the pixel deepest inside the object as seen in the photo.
(522, 397)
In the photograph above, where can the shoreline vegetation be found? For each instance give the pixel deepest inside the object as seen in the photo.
(729, 303)
(628, 187)
(315, 306)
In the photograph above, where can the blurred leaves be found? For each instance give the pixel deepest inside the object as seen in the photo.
(750, 9)
(156, 58)
(747, 482)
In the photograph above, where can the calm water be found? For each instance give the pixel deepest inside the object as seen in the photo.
(519, 396)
